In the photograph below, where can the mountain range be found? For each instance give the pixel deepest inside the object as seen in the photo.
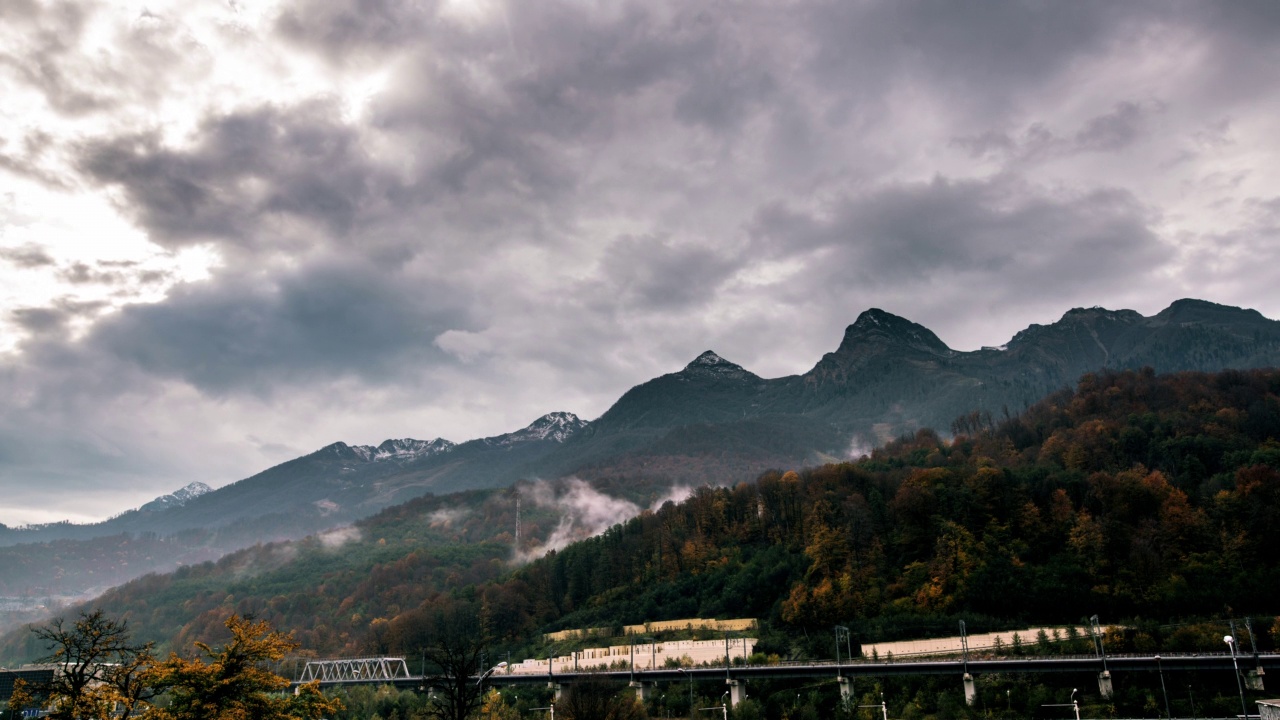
(713, 421)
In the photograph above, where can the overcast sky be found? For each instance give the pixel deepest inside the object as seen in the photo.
(233, 232)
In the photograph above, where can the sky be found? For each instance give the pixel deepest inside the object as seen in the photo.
(234, 232)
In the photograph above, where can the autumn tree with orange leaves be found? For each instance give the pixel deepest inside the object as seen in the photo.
(233, 683)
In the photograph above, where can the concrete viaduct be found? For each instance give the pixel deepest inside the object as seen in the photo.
(1254, 668)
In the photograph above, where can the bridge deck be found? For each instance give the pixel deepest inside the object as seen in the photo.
(952, 666)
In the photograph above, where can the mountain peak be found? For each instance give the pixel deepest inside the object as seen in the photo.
(396, 449)
(1190, 310)
(1097, 312)
(877, 327)
(554, 426)
(178, 498)
(707, 359)
(557, 422)
(711, 365)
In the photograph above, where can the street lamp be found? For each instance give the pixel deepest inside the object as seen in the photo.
(1164, 691)
(1074, 705)
(1095, 629)
(1231, 643)
(686, 672)
(490, 671)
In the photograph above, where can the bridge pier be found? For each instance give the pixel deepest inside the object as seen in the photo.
(1253, 679)
(642, 689)
(737, 691)
(970, 690)
(846, 688)
(557, 687)
(1105, 688)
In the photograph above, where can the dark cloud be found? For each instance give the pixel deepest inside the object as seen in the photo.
(654, 274)
(27, 256)
(27, 156)
(1110, 132)
(940, 234)
(127, 277)
(312, 325)
(44, 322)
(1113, 131)
(979, 59)
(40, 320)
(339, 28)
(249, 172)
(53, 34)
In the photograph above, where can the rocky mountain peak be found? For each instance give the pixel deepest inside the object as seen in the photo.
(709, 365)
(1187, 311)
(878, 328)
(1094, 326)
(555, 426)
(395, 449)
(178, 498)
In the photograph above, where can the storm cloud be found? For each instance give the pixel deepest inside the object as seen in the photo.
(230, 233)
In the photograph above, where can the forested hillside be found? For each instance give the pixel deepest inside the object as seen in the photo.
(1133, 495)
(713, 422)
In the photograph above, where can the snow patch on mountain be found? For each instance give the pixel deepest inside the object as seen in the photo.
(178, 498)
(402, 449)
(711, 365)
(556, 427)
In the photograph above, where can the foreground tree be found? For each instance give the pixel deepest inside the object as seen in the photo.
(452, 635)
(99, 670)
(232, 682)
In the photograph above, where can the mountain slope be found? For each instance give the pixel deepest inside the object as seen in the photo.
(712, 421)
(890, 376)
(1134, 495)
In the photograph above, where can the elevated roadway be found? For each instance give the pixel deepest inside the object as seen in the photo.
(845, 674)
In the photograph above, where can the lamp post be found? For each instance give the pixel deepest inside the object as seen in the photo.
(487, 673)
(1095, 629)
(1231, 643)
(653, 651)
(1164, 691)
(1074, 704)
(686, 672)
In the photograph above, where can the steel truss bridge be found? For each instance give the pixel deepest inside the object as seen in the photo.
(343, 671)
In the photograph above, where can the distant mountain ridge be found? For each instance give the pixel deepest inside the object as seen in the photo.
(890, 376)
(715, 421)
